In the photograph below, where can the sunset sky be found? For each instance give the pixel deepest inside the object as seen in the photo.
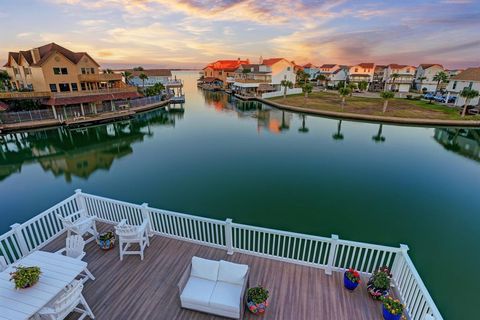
(190, 33)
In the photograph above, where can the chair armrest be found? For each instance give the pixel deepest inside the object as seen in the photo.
(122, 222)
(184, 279)
(71, 216)
(143, 227)
(243, 297)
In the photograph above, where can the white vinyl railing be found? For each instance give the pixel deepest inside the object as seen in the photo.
(330, 254)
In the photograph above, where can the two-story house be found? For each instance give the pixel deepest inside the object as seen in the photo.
(469, 78)
(282, 69)
(361, 72)
(223, 71)
(311, 70)
(62, 78)
(333, 73)
(399, 77)
(424, 76)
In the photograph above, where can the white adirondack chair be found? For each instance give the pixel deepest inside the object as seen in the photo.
(67, 302)
(81, 226)
(3, 264)
(74, 248)
(128, 235)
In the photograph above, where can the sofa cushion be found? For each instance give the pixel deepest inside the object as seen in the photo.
(198, 291)
(232, 272)
(226, 296)
(205, 269)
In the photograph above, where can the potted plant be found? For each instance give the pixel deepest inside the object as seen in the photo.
(106, 241)
(257, 299)
(351, 279)
(379, 283)
(25, 277)
(392, 308)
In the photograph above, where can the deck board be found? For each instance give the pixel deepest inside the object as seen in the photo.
(135, 289)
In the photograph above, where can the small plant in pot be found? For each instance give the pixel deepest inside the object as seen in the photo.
(392, 308)
(351, 279)
(257, 299)
(106, 240)
(379, 283)
(25, 277)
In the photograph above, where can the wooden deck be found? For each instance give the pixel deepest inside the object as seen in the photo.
(147, 290)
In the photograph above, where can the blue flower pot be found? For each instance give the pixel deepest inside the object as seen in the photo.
(388, 316)
(350, 285)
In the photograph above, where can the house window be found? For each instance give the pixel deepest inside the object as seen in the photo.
(408, 70)
(92, 70)
(53, 87)
(83, 70)
(288, 68)
(454, 85)
(74, 87)
(16, 71)
(60, 71)
(83, 86)
(356, 69)
(27, 70)
(64, 87)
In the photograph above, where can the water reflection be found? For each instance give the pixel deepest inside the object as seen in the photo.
(378, 138)
(338, 135)
(80, 152)
(465, 142)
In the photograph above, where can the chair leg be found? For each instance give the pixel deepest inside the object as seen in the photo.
(89, 274)
(87, 307)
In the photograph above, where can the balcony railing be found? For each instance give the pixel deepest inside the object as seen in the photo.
(328, 253)
(99, 77)
(93, 92)
(24, 95)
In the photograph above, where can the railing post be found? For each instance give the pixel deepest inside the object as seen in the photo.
(146, 216)
(20, 238)
(80, 201)
(398, 258)
(332, 254)
(228, 236)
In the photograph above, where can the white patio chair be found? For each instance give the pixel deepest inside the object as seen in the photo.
(67, 302)
(128, 235)
(81, 226)
(3, 264)
(74, 248)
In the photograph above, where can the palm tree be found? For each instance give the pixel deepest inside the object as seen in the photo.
(4, 77)
(440, 77)
(394, 77)
(286, 84)
(338, 135)
(127, 76)
(303, 129)
(363, 85)
(302, 77)
(344, 92)
(307, 88)
(143, 77)
(352, 86)
(378, 137)
(468, 94)
(386, 95)
(321, 77)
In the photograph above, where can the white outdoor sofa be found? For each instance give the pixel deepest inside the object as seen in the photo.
(216, 287)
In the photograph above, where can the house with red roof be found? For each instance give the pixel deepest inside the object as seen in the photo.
(424, 76)
(223, 70)
(399, 77)
(468, 78)
(362, 72)
(334, 74)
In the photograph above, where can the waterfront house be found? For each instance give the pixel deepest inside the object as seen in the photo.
(398, 77)
(311, 70)
(469, 78)
(424, 76)
(223, 70)
(333, 73)
(282, 69)
(58, 77)
(361, 72)
(155, 76)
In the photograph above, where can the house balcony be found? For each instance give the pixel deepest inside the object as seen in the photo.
(99, 77)
(304, 273)
(127, 89)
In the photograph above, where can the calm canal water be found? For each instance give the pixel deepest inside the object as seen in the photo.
(220, 158)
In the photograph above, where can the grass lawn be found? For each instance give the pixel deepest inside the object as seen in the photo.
(373, 106)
